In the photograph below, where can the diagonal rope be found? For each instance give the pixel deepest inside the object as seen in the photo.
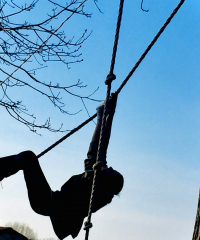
(67, 135)
(108, 81)
(150, 46)
(123, 83)
(196, 235)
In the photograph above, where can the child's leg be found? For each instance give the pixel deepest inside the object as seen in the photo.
(39, 191)
(93, 148)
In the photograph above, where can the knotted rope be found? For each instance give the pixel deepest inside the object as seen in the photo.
(110, 77)
(123, 83)
(108, 81)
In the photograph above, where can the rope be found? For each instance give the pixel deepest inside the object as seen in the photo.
(119, 20)
(88, 224)
(196, 235)
(67, 135)
(108, 82)
(150, 46)
(123, 83)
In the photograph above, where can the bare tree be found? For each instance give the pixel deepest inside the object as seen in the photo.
(23, 229)
(27, 41)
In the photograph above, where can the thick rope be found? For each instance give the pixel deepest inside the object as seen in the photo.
(108, 81)
(67, 135)
(196, 235)
(88, 223)
(150, 46)
(119, 20)
(123, 83)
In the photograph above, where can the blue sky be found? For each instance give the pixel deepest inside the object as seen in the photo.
(155, 137)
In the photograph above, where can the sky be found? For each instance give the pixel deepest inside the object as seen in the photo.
(155, 135)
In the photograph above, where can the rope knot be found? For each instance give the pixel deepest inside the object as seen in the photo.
(88, 225)
(99, 165)
(110, 77)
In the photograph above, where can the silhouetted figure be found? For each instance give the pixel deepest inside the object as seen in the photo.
(68, 207)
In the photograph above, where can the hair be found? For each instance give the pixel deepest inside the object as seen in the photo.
(112, 183)
(117, 183)
(108, 185)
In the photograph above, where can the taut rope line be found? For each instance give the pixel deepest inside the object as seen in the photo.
(67, 135)
(150, 46)
(125, 80)
(119, 19)
(108, 82)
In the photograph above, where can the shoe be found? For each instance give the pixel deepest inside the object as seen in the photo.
(4, 174)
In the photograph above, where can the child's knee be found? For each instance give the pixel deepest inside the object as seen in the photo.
(26, 159)
(30, 155)
(30, 159)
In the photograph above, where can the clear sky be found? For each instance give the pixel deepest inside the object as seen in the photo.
(156, 131)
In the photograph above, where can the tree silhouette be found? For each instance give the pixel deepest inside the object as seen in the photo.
(23, 229)
(30, 39)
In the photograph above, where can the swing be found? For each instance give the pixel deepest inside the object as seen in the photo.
(109, 79)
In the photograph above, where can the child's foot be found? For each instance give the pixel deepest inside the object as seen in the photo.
(1, 177)
(4, 174)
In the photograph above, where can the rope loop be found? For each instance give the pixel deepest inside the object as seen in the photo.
(88, 225)
(110, 77)
(99, 165)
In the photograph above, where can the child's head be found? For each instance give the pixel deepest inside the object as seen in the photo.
(110, 183)
(111, 180)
